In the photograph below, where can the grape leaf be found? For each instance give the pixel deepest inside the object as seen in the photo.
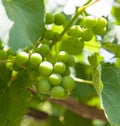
(110, 94)
(72, 119)
(14, 98)
(13, 103)
(111, 47)
(115, 12)
(94, 60)
(21, 22)
(83, 91)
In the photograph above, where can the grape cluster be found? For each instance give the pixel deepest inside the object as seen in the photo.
(51, 78)
(46, 67)
(55, 77)
(91, 26)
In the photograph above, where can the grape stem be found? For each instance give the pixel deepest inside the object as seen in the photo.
(82, 80)
(79, 11)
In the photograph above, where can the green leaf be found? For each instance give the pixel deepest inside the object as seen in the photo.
(110, 94)
(14, 98)
(5, 75)
(92, 45)
(113, 48)
(115, 12)
(81, 90)
(22, 22)
(73, 46)
(94, 61)
(5, 102)
(72, 119)
(13, 104)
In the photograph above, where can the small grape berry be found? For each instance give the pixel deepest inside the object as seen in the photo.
(57, 92)
(59, 19)
(45, 68)
(55, 79)
(22, 57)
(59, 67)
(43, 86)
(35, 59)
(49, 18)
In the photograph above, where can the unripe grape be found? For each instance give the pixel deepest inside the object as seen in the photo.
(49, 18)
(22, 57)
(59, 67)
(101, 22)
(49, 35)
(99, 31)
(87, 35)
(57, 92)
(63, 56)
(55, 79)
(75, 31)
(45, 68)
(43, 86)
(68, 83)
(89, 21)
(59, 19)
(35, 59)
(71, 61)
(3, 55)
(44, 50)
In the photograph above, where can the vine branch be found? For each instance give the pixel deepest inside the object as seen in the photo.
(82, 80)
(83, 110)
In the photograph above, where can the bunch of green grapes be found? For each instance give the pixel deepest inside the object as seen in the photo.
(55, 79)
(50, 78)
(46, 68)
(91, 26)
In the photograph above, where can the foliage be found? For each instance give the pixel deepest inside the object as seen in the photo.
(51, 68)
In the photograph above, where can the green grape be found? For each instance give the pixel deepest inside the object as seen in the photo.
(57, 92)
(22, 57)
(35, 59)
(3, 55)
(87, 35)
(75, 31)
(89, 21)
(99, 31)
(68, 83)
(55, 79)
(101, 22)
(43, 86)
(45, 68)
(71, 61)
(44, 50)
(59, 67)
(63, 56)
(49, 35)
(59, 19)
(49, 18)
